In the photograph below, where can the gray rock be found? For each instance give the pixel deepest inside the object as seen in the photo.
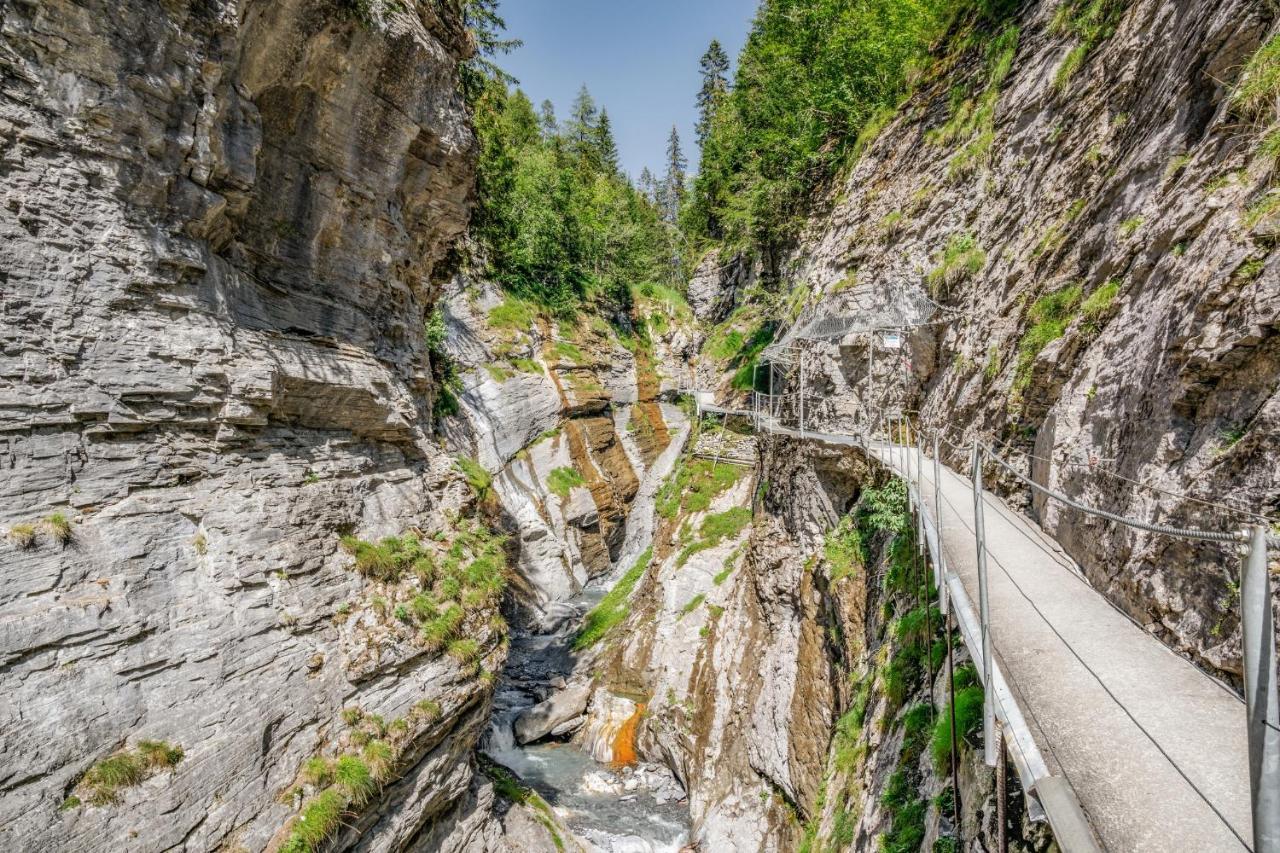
(545, 717)
(219, 228)
(717, 283)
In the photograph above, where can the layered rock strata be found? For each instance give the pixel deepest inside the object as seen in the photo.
(221, 223)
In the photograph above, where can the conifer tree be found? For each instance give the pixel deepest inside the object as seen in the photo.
(673, 183)
(486, 25)
(547, 119)
(582, 123)
(606, 147)
(648, 185)
(715, 85)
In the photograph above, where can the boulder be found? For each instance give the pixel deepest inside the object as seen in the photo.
(545, 717)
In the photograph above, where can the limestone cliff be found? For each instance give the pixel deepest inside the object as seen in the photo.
(1097, 245)
(1078, 235)
(221, 226)
(566, 415)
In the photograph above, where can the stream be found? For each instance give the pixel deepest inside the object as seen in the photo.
(634, 809)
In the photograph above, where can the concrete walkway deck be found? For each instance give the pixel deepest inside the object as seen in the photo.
(1155, 749)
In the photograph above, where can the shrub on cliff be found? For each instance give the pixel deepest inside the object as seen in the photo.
(614, 607)
(103, 781)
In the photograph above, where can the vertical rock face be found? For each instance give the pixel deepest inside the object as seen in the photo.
(1100, 252)
(565, 415)
(219, 226)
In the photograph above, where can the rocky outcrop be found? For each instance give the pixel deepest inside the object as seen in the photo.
(221, 223)
(780, 672)
(1102, 263)
(717, 284)
(567, 419)
(698, 653)
(552, 715)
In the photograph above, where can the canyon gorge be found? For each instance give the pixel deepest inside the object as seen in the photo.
(318, 535)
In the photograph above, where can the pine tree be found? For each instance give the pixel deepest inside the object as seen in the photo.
(715, 85)
(606, 147)
(547, 119)
(648, 185)
(672, 193)
(582, 123)
(486, 25)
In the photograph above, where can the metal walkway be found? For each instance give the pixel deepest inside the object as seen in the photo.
(1124, 744)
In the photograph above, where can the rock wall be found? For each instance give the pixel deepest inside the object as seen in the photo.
(566, 415)
(220, 228)
(1093, 263)
(771, 670)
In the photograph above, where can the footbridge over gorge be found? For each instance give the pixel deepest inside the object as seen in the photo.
(1121, 744)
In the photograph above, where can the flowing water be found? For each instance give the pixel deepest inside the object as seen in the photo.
(618, 810)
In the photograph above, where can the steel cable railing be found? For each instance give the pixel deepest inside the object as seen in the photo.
(1164, 529)
(1254, 541)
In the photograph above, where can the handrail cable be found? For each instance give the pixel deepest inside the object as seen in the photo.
(1101, 683)
(1066, 463)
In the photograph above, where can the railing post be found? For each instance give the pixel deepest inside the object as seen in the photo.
(906, 469)
(984, 612)
(801, 354)
(955, 738)
(940, 569)
(1263, 707)
(1002, 797)
(920, 481)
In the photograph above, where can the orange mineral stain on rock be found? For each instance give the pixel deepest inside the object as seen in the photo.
(624, 742)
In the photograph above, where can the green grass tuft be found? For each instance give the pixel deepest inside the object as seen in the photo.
(1090, 22)
(614, 607)
(380, 757)
(23, 535)
(563, 480)
(968, 721)
(158, 755)
(962, 258)
(1249, 270)
(1130, 226)
(440, 631)
(842, 549)
(569, 352)
(1262, 210)
(714, 530)
(1050, 316)
(1098, 303)
(693, 604)
(1258, 90)
(513, 315)
(103, 781)
(59, 528)
(320, 818)
(428, 709)
(353, 776)
(465, 650)
(318, 771)
(694, 485)
(476, 476)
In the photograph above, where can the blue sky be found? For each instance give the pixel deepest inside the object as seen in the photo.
(639, 59)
